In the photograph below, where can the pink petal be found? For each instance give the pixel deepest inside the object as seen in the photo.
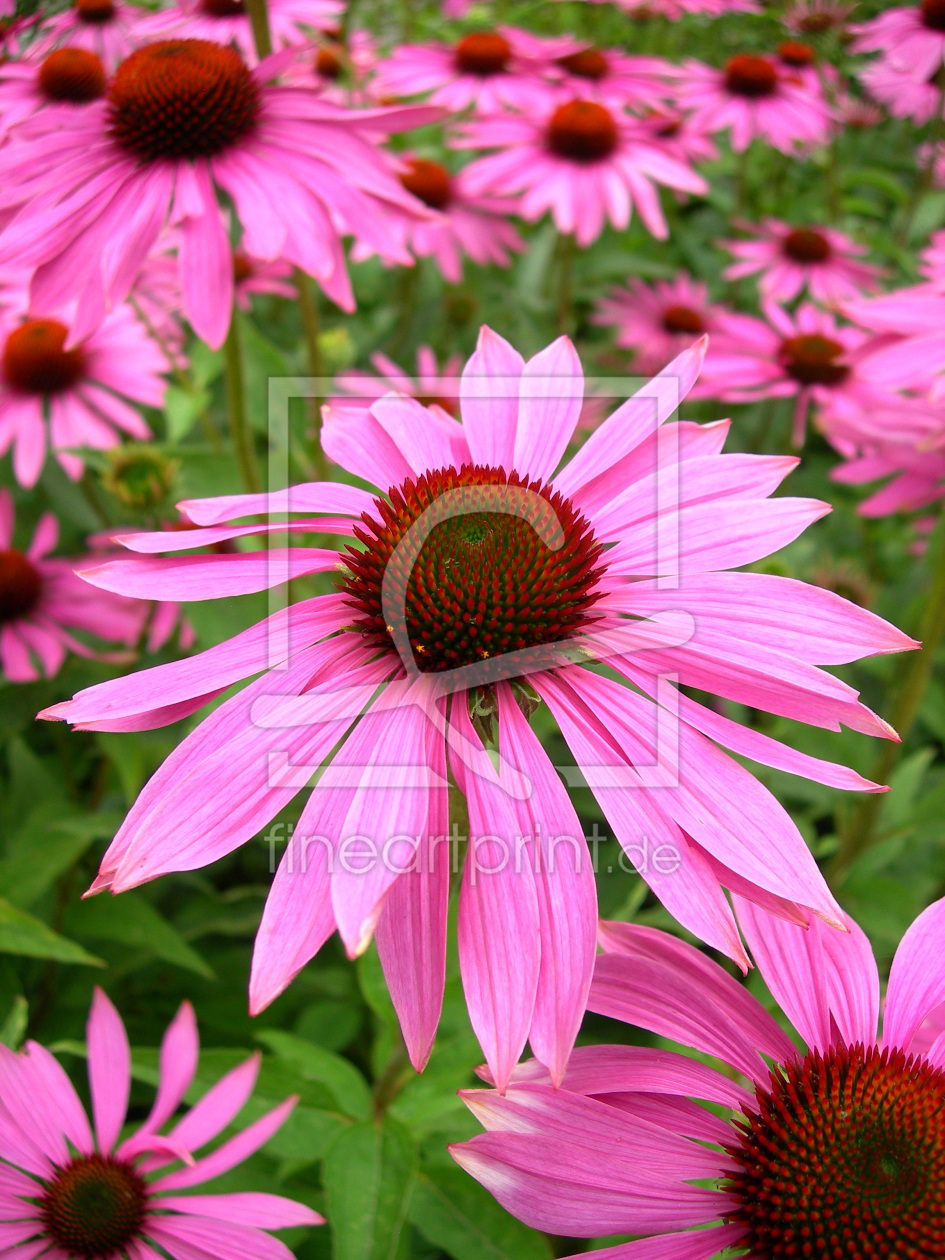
(550, 399)
(208, 577)
(916, 978)
(70, 1113)
(489, 394)
(219, 1106)
(418, 437)
(249, 1209)
(700, 1244)
(206, 264)
(231, 1153)
(180, 1050)
(193, 1238)
(109, 1070)
(316, 496)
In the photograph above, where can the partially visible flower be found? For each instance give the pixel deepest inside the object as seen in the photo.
(754, 97)
(433, 386)
(83, 389)
(853, 111)
(256, 275)
(916, 477)
(108, 28)
(837, 1151)
(580, 160)
(673, 10)
(72, 1192)
(70, 77)
(678, 137)
(42, 601)
(904, 95)
(911, 321)
(910, 39)
(658, 321)
(815, 17)
(227, 22)
(790, 259)
(612, 77)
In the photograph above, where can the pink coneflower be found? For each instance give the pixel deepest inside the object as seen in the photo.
(809, 356)
(912, 39)
(673, 10)
(612, 77)
(82, 389)
(41, 596)
(466, 223)
(917, 477)
(107, 28)
(226, 22)
(70, 77)
(904, 96)
(853, 111)
(790, 259)
(580, 160)
(96, 193)
(658, 321)
(70, 1191)
(488, 619)
(433, 386)
(836, 1152)
(256, 275)
(910, 320)
(488, 69)
(755, 97)
(816, 17)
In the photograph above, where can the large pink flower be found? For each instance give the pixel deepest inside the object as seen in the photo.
(658, 321)
(434, 648)
(84, 389)
(822, 260)
(580, 160)
(40, 596)
(108, 28)
(754, 97)
(96, 192)
(226, 22)
(836, 1152)
(911, 39)
(71, 1190)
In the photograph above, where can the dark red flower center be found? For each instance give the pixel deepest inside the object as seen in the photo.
(72, 74)
(747, 75)
(500, 564)
(812, 360)
(589, 63)
(582, 131)
(807, 246)
(20, 585)
(933, 14)
(242, 267)
(35, 361)
(182, 98)
(328, 62)
(95, 12)
(483, 53)
(94, 1207)
(683, 319)
(223, 8)
(449, 405)
(845, 1160)
(817, 22)
(429, 182)
(795, 54)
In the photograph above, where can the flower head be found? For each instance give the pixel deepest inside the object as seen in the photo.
(612, 77)
(911, 39)
(582, 161)
(73, 1191)
(108, 28)
(67, 77)
(256, 275)
(839, 1151)
(181, 119)
(291, 22)
(481, 581)
(658, 321)
(815, 17)
(790, 259)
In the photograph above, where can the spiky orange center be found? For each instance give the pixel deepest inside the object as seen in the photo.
(793, 53)
(589, 63)
(429, 182)
(328, 61)
(20, 585)
(683, 319)
(94, 1207)
(486, 580)
(182, 98)
(582, 131)
(483, 53)
(845, 1160)
(72, 74)
(747, 75)
(933, 14)
(223, 8)
(35, 361)
(94, 12)
(807, 246)
(812, 360)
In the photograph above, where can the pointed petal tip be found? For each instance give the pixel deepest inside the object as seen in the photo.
(56, 712)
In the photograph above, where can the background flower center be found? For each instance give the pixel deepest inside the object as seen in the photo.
(933, 14)
(483, 53)
(582, 131)
(811, 360)
(328, 62)
(223, 8)
(20, 585)
(683, 319)
(94, 1207)
(34, 359)
(795, 54)
(182, 98)
(845, 1157)
(72, 74)
(485, 582)
(750, 76)
(589, 63)
(429, 182)
(95, 12)
(804, 245)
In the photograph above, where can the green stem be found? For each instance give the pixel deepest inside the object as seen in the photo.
(236, 407)
(565, 283)
(90, 491)
(259, 20)
(860, 834)
(308, 308)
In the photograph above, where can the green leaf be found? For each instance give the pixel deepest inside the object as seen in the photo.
(345, 1083)
(45, 847)
(182, 407)
(13, 1028)
(454, 1212)
(369, 1177)
(20, 933)
(131, 919)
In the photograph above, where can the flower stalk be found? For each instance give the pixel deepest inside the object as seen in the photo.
(235, 385)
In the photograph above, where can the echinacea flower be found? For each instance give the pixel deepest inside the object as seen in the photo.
(612, 77)
(580, 160)
(82, 389)
(905, 96)
(433, 386)
(790, 259)
(42, 600)
(69, 77)
(107, 28)
(657, 321)
(227, 22)
(912, 39)
(916, 478)
(816, 17)
(836, 1151)
(71, 1189)
(450, 596)
(257, 275)
(754, 97)
(95, 194)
